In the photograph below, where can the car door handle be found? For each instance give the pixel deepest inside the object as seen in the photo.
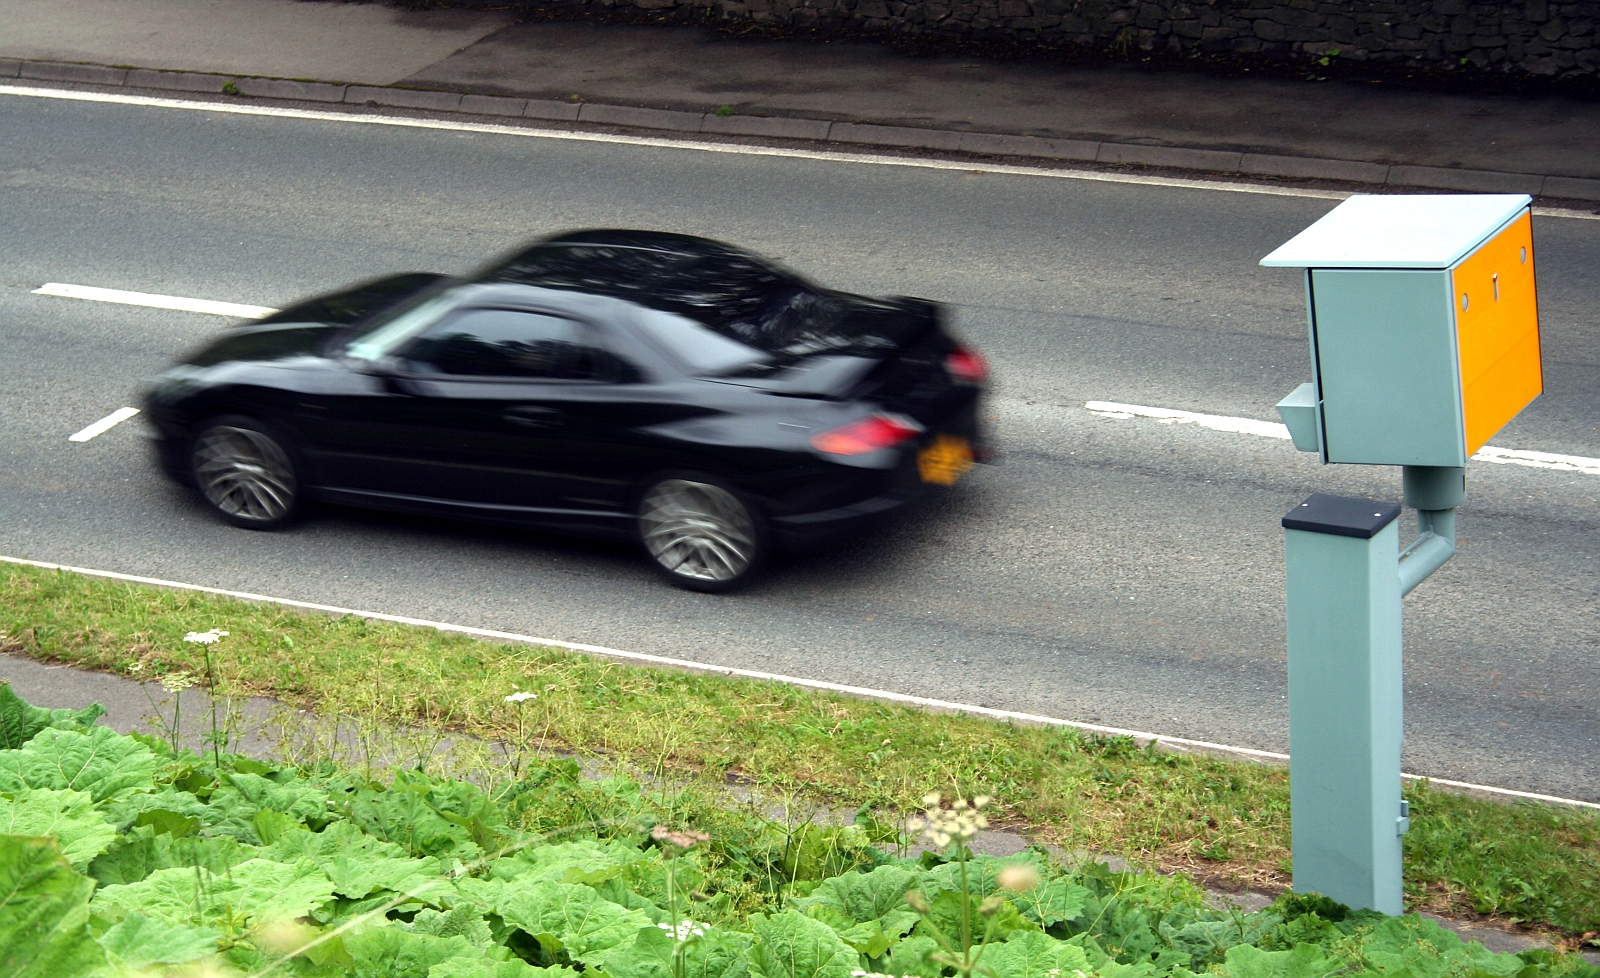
(528, 416)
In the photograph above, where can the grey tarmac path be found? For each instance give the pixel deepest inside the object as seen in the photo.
(687, 79)
(1120, 572)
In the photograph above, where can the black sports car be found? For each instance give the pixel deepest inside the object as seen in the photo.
(628, 384)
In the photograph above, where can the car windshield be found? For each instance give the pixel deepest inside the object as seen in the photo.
(388, 333)
(725, 310)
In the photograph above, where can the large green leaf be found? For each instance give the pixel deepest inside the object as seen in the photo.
(945, 912)
(127, 810)
(44, 912)
(69, 816)
(359, 864)
(648, 955)
(101, 762)
(143, 850)
(20, 722)
(587, 861)
(864, 896)
(1426, 950)
(911, 957)
(486, 967)
(583, 922)
(260, 890)
(137, 942)
(391, 952)
(404, 814)
(1030, 954)
(1304, 961)
(464, 920)
(235, 808)
(792, 945)
(1053, 902)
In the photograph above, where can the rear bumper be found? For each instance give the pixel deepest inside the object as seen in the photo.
(806, 532)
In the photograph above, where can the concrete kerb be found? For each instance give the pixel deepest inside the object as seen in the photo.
(863, 134)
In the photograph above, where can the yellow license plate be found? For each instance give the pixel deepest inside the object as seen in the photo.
(945, 461)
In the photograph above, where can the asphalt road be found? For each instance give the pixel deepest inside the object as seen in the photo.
(1124, 572)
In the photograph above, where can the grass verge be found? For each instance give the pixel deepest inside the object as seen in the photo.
(1226, 822)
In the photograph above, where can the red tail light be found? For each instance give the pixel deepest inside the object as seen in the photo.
(867, 435)
(966, 367)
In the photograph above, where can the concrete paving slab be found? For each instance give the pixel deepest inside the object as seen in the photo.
(626, 115)
(404, 98)
(63, 72)
(350, 42)
(493, 105)
(183, 81)
(284, 88)
(769, 126)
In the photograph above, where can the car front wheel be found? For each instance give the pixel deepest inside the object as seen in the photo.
(245, 473)
(702, 534)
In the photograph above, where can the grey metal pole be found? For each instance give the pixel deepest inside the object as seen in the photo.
(1345, 700)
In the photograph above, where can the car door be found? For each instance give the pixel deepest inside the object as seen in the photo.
(490, 389)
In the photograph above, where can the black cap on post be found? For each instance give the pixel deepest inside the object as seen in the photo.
(1341, 516)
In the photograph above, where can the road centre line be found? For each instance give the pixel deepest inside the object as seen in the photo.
(686, 664)
(736, 149)
(1271, 429)
(208, 306)
(104, 425)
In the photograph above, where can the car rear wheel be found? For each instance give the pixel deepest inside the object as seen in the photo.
(703, 535)
(246, 473)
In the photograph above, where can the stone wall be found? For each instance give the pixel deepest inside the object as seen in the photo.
(1548, 38)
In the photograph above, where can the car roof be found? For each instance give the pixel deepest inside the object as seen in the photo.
(684, 244)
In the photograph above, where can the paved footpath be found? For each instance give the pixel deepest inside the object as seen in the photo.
(689, 80)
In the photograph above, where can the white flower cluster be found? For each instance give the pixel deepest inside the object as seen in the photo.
(521, 697)
(205, 638)
(958, 823)
(686, 929)
(177, 682)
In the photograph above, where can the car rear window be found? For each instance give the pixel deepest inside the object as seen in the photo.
(776, 316)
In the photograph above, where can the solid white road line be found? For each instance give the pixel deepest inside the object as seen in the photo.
(1271, 429)
(735, 149)
(859, 691)
(209, 306)
(105, 424)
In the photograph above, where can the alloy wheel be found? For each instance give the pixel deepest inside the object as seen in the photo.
(244, 474)
(698, 531)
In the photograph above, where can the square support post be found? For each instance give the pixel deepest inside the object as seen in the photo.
(1345, 700)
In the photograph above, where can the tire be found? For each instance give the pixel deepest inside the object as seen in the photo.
(246, 473)
(701, 533)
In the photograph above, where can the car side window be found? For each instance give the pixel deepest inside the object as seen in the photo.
(508, 343)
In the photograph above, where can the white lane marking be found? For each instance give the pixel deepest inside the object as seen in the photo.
(735, 149)
(1216, 422)
(1539, 460)
(104, 425)
(1272, 429)
(209, 306)
(859, 691)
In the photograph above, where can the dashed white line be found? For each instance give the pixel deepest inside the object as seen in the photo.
(1539, 460)
(1216, 422)
(208, 306)
(1097, 176)
(859, 691)
(104, 425)
(1271, 429)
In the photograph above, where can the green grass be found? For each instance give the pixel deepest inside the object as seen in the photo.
(1225, 822)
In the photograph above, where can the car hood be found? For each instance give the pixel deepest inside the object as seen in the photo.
(263, 343)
